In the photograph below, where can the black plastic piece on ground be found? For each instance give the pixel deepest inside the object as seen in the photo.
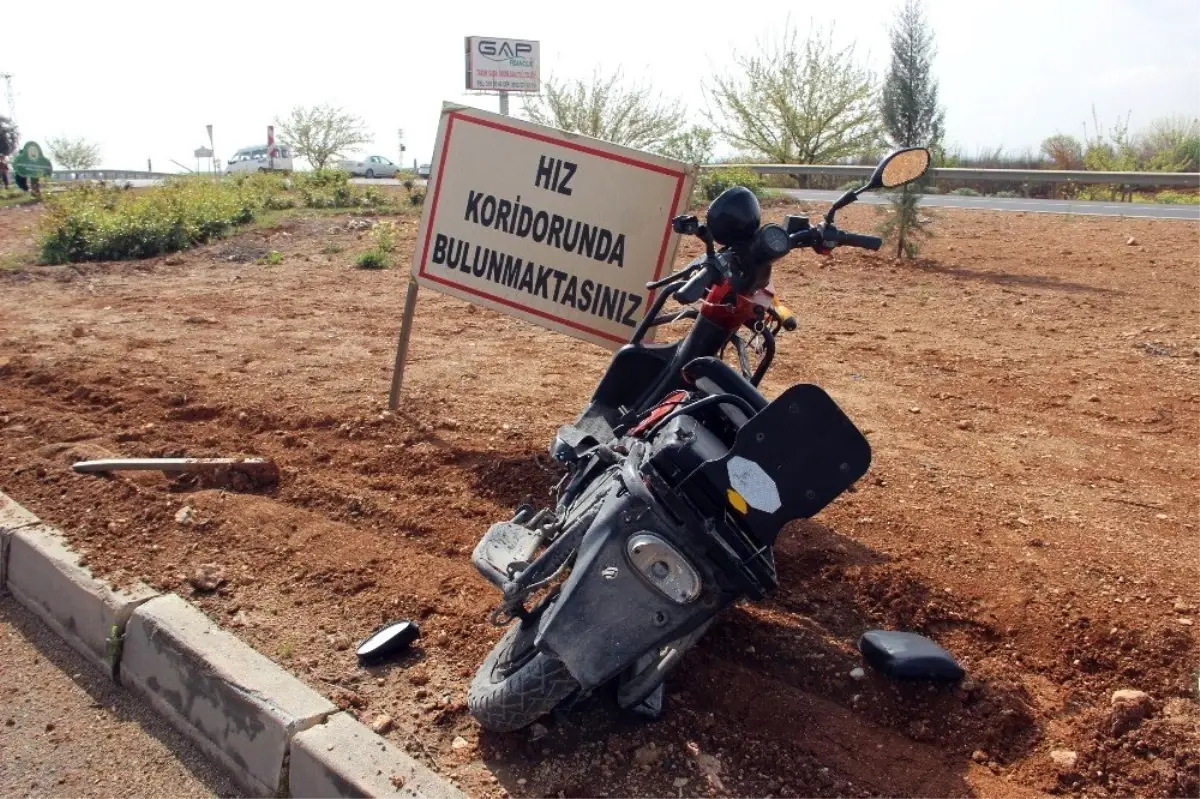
(388, 641)
(908, 656)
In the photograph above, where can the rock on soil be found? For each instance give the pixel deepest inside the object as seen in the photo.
(1129, 709)
(1064, 758)
(382, 724)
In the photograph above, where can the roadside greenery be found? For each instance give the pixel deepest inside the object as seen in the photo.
(102, 223)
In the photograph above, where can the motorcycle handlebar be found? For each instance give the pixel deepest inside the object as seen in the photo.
(859, 240)
(697, 284)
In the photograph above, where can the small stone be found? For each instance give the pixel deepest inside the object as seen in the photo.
(1131, 242)
(680, 782)
(1184, 621)
(1094, 398)
(382, 724)
(979, 756)
(537, 731)
(1181, 606)
(185, 515)
(460, 742)
(205, 581)
(857, 673)
(1129, 695)
(1064, 758)
(914, 409)
(647, 755)
(442, 639)
(49, 726)
(522, 781)
(964, 424)
(1161, 516)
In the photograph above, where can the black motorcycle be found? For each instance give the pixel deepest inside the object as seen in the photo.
(679, 477)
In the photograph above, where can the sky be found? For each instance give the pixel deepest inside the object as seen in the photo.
(143, 79)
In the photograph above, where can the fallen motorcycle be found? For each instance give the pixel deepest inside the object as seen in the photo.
(679, 477)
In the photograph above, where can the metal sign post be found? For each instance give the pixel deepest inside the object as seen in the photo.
(410, 309)
(504, 102)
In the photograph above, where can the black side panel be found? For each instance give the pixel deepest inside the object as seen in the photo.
(788, 462)
(632, 370)
(607, 615)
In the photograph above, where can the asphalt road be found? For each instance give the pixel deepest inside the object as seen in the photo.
(1074, 207)
(67, 730)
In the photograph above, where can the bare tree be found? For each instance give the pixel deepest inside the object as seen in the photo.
(321, 133)
(797, 103)
(74, 153)
(608, 108)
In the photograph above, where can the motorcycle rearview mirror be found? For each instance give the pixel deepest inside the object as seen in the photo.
(896, 169)
(900, 167)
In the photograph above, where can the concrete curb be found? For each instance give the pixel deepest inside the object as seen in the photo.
(341, 757)
(275, 735)
(45, 576)
(236, 704)
(12, 518)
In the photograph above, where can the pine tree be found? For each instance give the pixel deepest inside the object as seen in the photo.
(911, 115)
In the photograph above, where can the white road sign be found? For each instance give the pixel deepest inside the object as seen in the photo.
(561, 230)
(509, 65)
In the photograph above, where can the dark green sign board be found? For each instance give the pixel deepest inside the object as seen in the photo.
(30, 162)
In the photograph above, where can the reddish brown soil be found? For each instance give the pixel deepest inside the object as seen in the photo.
(1029, 388)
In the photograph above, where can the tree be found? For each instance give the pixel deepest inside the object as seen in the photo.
(797, 104)
(9, 136)
(693, 146)
(608, 108)
(1170, 144)
(321, 133)
(74, 153)
(1063, 151)
(911, 114)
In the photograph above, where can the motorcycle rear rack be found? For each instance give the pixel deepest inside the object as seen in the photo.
(751, 564)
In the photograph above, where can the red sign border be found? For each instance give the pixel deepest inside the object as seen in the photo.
(455, 116)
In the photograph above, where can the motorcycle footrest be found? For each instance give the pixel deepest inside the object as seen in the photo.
(504, 543)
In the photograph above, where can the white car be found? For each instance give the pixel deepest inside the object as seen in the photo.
(373, 166)
(257, 159)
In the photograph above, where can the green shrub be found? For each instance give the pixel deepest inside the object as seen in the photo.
(331, 248)
(1008, 195)
(849, 185)
(408, 184)
(714, 181)
(416, 198)
(373, 259)
(273, 258)
(965, 191)
(930, 189)
(385, 236)
(1176, 198)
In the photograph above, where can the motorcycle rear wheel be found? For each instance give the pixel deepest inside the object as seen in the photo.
(517, 684)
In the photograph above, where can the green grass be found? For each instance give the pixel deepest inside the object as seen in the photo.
(11, 198)
(93, 223)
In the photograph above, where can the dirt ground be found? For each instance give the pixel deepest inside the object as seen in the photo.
(1029, 388)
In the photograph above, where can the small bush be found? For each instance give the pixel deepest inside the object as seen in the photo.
(385, 237)
(965, 191)
(331, 248)
(408, 184)
(1176, 198)
(416, 198)
(373, 259)
(849, 184)
(273, 258)
(714, 181)
(1007, 195)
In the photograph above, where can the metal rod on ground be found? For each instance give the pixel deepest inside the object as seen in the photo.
(410, 309)
(161, 464)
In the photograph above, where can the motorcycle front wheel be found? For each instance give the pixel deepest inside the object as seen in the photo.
(517, 684)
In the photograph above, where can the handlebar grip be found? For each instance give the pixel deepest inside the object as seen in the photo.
(859, 240)
(692, 290)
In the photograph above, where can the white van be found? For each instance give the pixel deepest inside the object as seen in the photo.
(256, 159)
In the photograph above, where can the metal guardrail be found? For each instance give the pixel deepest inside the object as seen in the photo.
(108, 174)
(1187, 179)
